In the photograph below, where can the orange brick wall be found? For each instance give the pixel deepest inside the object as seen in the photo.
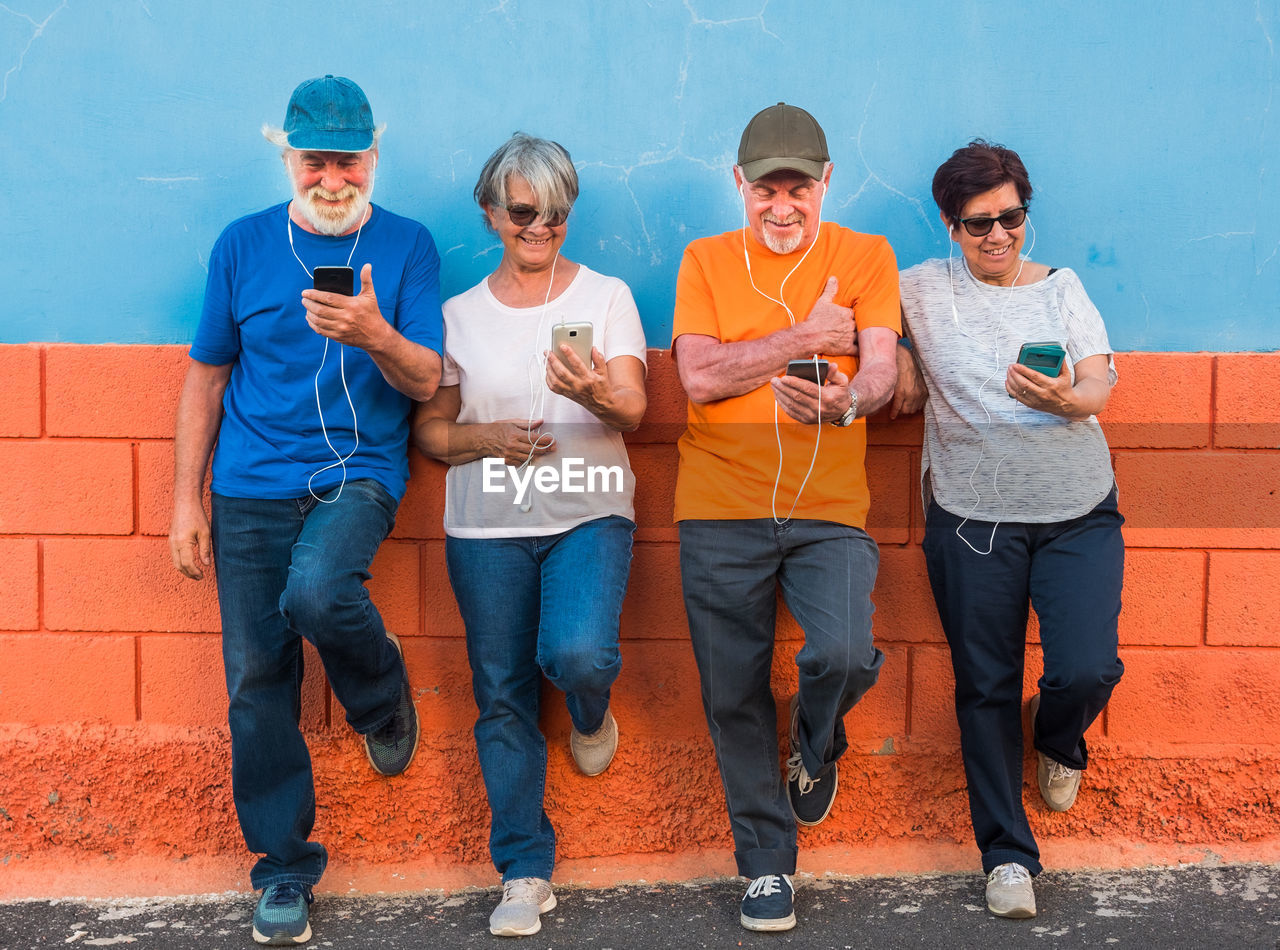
(112, 704)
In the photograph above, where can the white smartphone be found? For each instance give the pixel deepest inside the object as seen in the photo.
(577, 335)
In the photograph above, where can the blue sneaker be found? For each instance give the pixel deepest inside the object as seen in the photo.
(767, 904)
(280, 919)
(811, 798)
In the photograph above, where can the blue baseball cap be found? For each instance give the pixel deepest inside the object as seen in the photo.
(330, 114)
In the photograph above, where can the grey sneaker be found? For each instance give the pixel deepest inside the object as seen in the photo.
(593, 753)
(281, 917)
(811, 798)
(524, 901)
(1009, 892)
(390, 747)
(1058, 783)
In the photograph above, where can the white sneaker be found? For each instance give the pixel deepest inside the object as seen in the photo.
(1009, 892)
(524, 900)
(593, 753)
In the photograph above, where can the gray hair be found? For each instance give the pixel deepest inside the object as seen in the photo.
(278, 136)
(544, 164)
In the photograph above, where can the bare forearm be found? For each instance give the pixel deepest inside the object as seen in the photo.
(1088, 397)
(723, 370)
(456, 443)
(196, 431)
(874, 383)
(624, 410)
(411, 368)
(449, 442)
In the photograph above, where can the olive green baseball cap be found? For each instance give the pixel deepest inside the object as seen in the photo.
(779, 137)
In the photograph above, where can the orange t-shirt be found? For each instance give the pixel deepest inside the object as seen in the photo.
(729, 452)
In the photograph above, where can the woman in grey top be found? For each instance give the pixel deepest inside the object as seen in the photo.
(1020, 501)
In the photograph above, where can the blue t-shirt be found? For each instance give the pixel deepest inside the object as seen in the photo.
(271, 441)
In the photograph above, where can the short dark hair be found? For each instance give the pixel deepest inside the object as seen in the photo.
(974, 170)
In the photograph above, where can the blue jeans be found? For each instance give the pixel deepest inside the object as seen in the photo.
(288, 569)
(532, 606)
(1072, 573)
(731, 571)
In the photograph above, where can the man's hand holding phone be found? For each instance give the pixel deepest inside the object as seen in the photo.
(353, 320)
(798, 395)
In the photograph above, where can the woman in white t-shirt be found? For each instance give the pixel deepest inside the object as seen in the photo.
(1020, 501)
(538, 502)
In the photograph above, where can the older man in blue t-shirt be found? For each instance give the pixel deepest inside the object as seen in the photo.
(307, 394)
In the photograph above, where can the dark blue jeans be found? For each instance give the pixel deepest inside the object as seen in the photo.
(289, 569)
(731, 571)
(532, 606)
(1071, 572)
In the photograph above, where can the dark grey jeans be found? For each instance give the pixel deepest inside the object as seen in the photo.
(731, 571)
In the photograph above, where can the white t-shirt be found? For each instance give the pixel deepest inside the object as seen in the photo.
(986, 456)
(494, 353)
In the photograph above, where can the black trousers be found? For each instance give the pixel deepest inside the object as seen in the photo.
(1071, 572)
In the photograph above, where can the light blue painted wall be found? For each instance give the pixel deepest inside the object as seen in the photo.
(130, 130)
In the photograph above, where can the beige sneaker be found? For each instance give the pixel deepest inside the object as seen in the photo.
(1058, 783)
(593, 753)
(524, 901)
(1009, 892)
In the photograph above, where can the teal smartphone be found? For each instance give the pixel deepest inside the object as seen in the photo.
(1042, 357)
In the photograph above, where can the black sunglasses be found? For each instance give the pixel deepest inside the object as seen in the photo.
(1010, 220)
(524, 215)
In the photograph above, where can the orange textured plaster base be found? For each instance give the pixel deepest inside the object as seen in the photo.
(106, 811)
(50, 876)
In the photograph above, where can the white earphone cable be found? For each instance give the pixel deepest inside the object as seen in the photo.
(986, 431)
(342, 373)
(780, 300)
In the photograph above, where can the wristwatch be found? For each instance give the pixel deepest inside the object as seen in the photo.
(849, 414)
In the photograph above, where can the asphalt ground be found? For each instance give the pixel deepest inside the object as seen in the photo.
(1236, 907)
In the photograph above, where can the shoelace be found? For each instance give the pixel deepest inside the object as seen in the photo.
(1011, 875)
(286, 894)
(797, 773)
(766, 885)
(521, 889)
(1060, 773)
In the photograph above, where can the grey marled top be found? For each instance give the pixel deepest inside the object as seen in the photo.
(987, 456)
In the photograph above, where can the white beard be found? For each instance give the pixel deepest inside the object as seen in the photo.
(781, 245)
(329, 220)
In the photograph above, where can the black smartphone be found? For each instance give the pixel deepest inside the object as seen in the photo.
(335, 280)
(806, 369)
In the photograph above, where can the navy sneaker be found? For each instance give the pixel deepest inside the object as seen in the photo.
(767, 904)
(811, 798)
(390, 748)
(280, 919)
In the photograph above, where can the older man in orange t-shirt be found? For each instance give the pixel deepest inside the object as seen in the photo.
(772, 489)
